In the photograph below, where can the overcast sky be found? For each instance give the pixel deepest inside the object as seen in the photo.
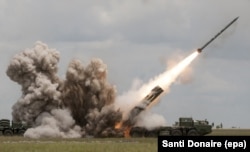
(136, 39)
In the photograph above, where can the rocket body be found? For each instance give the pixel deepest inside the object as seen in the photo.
(211, 40)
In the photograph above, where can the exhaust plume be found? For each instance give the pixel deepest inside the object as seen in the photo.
(163, 80)
(151, 93)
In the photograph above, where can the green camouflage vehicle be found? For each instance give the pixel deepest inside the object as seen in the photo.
(185, 127)
(13, 128)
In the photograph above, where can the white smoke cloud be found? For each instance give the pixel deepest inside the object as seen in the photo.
(150, 120)
(57, 124)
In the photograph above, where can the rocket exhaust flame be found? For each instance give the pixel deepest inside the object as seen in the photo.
(118, 125)
(127, 131)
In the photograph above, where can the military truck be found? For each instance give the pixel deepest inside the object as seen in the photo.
(186, 126)
(13, 128)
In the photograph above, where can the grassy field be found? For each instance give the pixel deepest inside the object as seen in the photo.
(230, 132)
(21, 144)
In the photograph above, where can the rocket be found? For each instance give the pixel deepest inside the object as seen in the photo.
(211, 40)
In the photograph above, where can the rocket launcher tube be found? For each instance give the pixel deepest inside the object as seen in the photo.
(150, 98)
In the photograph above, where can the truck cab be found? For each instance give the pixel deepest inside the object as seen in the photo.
(189, 127)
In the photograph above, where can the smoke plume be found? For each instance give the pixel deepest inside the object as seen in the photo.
(80, 105)
(83, 104)
(150, 120)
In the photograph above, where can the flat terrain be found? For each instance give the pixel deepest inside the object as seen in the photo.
(230, 132)
(21, 144)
